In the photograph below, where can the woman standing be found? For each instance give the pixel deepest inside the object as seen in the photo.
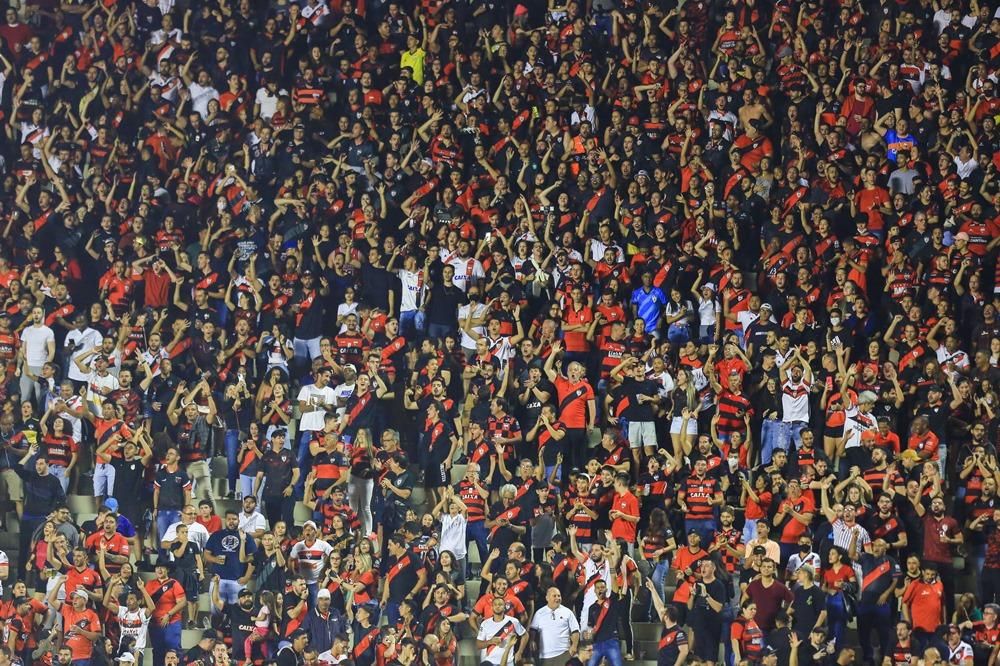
(836, 581)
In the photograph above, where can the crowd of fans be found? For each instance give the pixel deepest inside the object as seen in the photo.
(681, 313)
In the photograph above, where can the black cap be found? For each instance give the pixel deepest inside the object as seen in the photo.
(280, 432)
(244, 592)
(298, 633)
(209, 634)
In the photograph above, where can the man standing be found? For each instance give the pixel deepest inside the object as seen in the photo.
(708, 598)
(42, 495)
(171, 492)
(315, 400)
(602, 620)
(769, 594)
(251, 520)
(230, 552)
(324, 623)
(165, 627)
(940, 533)
(404, 579)
(624, 512)
(880, 576)
(577, 409)
(557, 630)
(496, 632)
(277, 466)
(38, 347)
(80, 626)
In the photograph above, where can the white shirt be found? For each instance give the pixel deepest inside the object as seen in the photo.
(509, 629)
(796, 562)
(311, 559)
(603, 570)
(842, 535)
(855, 424)
(412, 293)
(134, 624)
(341, 394)
(463, 312)
(958, 357)
(453, 535)
(88, 339)
(555, 629)
(313, 395)
(95, 382)
(253, 522)
(267, 102)
(200, 96)
(197, 534)
(35, 342)
(795, 402)
(467, 270)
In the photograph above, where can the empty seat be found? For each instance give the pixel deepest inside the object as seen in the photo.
(82, 504)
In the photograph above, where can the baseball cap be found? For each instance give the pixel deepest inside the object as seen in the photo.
(80, 592)
(244, 592)
(309, 523)
(766, 305)
(323, 594)
(209, 634)
(111, 503)
(280, 432)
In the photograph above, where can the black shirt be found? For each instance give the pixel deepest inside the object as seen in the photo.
(808, 604)
(277, 469)
(443, 306)
(42, 494)
(171, 485)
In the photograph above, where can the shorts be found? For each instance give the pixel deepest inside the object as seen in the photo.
(641, 433)
(675, 426)
(11, 485)
(436, 476)
(833, 431)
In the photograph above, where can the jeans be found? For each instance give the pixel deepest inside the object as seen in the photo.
(201, 477)
(359, 496)
(306, 350)
(836, 610)
(770, 439)
(476, 531)
(162, 639)
(659, 576)
(749, 530)
(609, 649)
(303, 459)
(232, 443)
(678, 334)
(59, 472)
(30, 389)
(439, 330)
(229, 591)
(704, 528)
(246, 485)
(790, 432)
(164, 519)
(412, 321)
(104, 480)
(392, 612)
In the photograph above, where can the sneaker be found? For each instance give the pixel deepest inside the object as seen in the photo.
(190, 625)
(206, 622)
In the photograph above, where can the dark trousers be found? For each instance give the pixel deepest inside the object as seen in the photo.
(280, 508)
(574, 451)
(29, 524)
(873, 617)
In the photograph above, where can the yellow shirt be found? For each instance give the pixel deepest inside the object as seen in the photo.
(415, 61)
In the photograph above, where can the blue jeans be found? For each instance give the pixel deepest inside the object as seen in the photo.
(229, 591)
(836, 611)
(232, 440)
(304, 459)
(476, 531)
(306, 350)
(659, 576)
(678, 334)
(609, 649)
(164, 519)
(790, 433)
(770, 439)
(392, 612)
(704, 528)
(439, 330)
(164, 638)
(412, 321)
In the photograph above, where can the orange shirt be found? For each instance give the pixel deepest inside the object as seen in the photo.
(89, 579)
(926, 604)
(628, 504)
(926, 445)
(165, 595)
(116, 545)
(81, 646)
(576, 341)
(793, 529)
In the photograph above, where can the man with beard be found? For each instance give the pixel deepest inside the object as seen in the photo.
(170, 602)
(240, 616)
(940, 533)
(595, 567)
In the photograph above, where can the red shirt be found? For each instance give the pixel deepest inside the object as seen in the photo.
(116, 545)
(165, 595)
(81, 646)
(573, 400)
(576, 341)
(936, 550)
(628, 504)
(89, 579)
